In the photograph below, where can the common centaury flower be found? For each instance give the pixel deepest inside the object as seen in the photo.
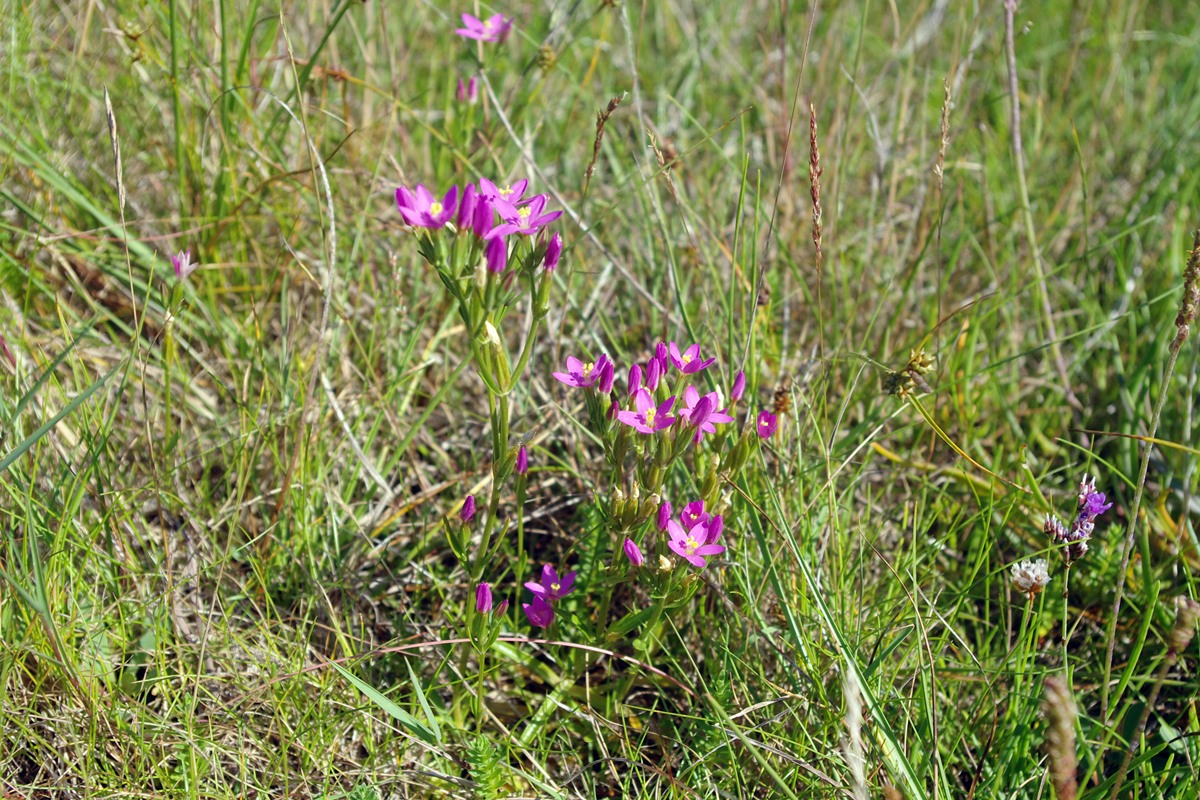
(493, 29)
(648, 418)
(692, 545)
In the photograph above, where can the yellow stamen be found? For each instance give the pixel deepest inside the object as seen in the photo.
(435, 208)
(650, 416)
(523, 213)
(587, 369)
(690, 544)
(554, 587)
(506, 191)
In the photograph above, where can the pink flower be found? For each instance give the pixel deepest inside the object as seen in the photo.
(633, 553)
(767, 423)
(183, 264)
(420, 210)
(688, 362)
(482, 219)
(581, 375)
(701, 412)
(648, 418)
(525, 219)
(551, 587)
(693, 514)
(691, 545)
(493, 29)
(539, 612)
(511, 194)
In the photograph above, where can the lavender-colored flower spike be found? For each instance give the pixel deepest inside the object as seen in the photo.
(1074, 540)
(483, 598)
(633, 553)
(468, 509)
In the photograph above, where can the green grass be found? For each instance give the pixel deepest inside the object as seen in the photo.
(211, 495)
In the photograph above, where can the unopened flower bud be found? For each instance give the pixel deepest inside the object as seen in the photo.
(468, 509)
(553, 252)
(633, 553)
(522, 460)
(483, 598)
(739, 387)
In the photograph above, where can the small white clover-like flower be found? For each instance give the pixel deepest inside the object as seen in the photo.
(1030, 577)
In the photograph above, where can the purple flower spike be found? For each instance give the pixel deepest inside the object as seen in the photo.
(635, 379)
(493, 29)
(739, 387)
(184, 266)
(551, 586)
(526, 219)
(691, 545)
(539, 612)
(522, 460)
(767, 423)
(468, 509)
(553, 253)
(688, 362)
(633, 553)
(511, 194)
(483, 598)
(421, 210)
(664, 515)
(497, 254)
(648, 418)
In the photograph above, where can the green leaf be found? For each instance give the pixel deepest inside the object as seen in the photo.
(410, 723)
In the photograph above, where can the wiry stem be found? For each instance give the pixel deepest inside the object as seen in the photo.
(1010, 8)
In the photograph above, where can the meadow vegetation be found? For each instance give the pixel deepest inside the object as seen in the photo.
(817, 421)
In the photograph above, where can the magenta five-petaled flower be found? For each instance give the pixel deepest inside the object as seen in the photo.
(511, 193)
(493, 29)
(421, 210)
(692, 544)
(693, 514)
(582, 375)
(524, 219)
(702, 413)
(183, 264)
(648, 418)
(767, 423)
(551, 587)
(539, 612)
(688, 362)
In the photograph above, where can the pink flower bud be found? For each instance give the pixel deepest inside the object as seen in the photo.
(664, 515)
(497, 254)
(633, 553)
(466, 208)
(739, 387)
(468, 509)
(767, 422)
(483, 598)
(522, 460)
(605, 383)
(635, 378)
(553, 252)
(654, 372)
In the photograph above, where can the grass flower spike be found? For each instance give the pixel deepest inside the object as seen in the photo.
(493, 29)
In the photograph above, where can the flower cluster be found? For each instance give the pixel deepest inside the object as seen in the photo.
(1074, 540)
(1030, 577)
(550, 588)
(696, 533)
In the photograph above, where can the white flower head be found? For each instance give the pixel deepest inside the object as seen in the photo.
(1030, 577)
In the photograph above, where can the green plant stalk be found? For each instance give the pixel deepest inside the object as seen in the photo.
(1131, 530)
